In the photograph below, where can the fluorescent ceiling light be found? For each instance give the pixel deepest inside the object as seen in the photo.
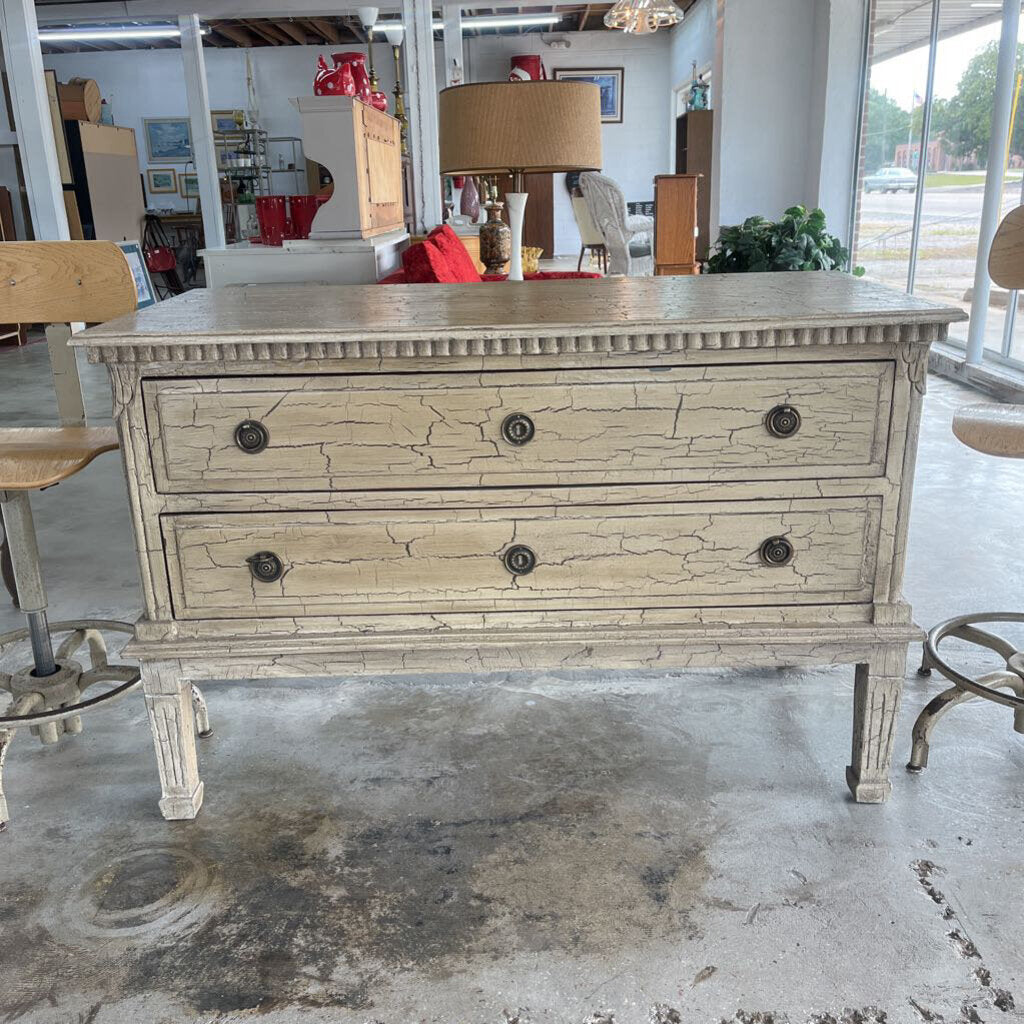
(85, 34)
(987, 5)
(493, 21)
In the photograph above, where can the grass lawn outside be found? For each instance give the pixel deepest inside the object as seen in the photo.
(940, 179)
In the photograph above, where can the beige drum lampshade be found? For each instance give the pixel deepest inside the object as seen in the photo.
(496, 127)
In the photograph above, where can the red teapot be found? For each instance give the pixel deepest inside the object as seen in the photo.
(379, 100)
(336, 81)
(356, 62)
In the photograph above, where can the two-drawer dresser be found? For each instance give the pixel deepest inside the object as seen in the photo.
(638, 473)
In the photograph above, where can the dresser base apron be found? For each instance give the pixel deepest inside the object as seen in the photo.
(169, 667)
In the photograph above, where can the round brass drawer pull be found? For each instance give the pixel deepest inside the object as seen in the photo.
(265, 566)
(782, 421)
(519, 560)
(776, 551)
(517, 429)
(251, 436)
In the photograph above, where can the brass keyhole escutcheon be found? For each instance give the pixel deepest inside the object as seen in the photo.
(782, 421)
(519, 560)
(776, 551)
(265, 566)
(518, 429)
(251, 436)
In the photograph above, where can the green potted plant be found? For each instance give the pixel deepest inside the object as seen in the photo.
(798, 241)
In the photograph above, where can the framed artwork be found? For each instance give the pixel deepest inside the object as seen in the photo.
(140, 272)
(226, 122)
(188, 185)
(608, 80)
(168, 139)
(161, 179)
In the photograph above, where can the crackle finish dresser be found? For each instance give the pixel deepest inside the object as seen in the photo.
(637, 473)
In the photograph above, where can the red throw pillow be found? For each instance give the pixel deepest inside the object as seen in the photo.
(455, 252)
(424, 263)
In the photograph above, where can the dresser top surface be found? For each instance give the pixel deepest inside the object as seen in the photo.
(299, 322)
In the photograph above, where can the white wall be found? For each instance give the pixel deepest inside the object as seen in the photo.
(633, 151)
(693, 39)
(150, 83)
(786, 106)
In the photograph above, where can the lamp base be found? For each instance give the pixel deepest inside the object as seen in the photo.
(516, 202)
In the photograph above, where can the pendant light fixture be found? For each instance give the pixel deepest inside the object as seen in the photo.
(643, 16)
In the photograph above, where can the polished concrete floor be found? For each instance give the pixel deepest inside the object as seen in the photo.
(553, 848)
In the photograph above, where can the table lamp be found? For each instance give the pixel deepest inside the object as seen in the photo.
(517, 128)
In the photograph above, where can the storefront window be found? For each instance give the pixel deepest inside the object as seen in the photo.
(955, 170)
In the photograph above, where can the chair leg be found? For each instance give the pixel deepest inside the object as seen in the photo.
(579, 262)
(21, 535)
(7, 568)
(946, 701)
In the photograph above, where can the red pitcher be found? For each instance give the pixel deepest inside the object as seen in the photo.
(336, 81)
(356, 63)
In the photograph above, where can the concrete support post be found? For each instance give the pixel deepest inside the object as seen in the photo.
(19, 34)
(991, 204)
(454, 64)
(421, 90)
(203, 152)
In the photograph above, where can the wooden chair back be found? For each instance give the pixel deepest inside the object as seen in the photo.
(64, 282)
(1006, 257)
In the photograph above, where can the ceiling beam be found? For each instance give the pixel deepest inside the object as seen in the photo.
(356, 29)
(238, 35)
(295, 31)
(584, 14)
(266, 31)
(326, 29)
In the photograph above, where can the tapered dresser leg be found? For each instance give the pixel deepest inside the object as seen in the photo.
(169, 703)
(6, 735)
(876, 705)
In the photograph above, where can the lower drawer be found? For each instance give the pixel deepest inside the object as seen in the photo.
(813, 551)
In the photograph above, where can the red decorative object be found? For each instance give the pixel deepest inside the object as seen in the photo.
(441, 258)
(356, 63)
(527, 67)
(302, 210)
(336, 81)
(273, 219)
(452, 248)
(379, 100)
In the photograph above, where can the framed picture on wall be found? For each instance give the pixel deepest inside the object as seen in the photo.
(226, 122)
(161, 179)
(168, 139)
(188, 185)
(140, 273)
(608, 80)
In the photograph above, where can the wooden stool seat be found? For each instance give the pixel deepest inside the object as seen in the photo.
(992, 429)
(36, 457)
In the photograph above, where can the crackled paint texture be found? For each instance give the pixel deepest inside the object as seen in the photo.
(519, 848)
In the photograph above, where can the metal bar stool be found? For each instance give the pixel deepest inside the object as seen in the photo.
(994, 430)
(66, 282)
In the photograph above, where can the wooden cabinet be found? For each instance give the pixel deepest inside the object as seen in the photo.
(361, 149)
(539, 218)
(675, 224)
(694, 156)
(108, 186)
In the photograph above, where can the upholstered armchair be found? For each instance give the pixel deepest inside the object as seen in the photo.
(628, 238)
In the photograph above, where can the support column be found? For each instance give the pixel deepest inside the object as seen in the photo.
(454, 63)
(990, 207)
(421, 92)
(203, 152)
(19, 34)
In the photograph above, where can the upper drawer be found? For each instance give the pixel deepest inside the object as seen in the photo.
(544, 428)
(576, 556)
